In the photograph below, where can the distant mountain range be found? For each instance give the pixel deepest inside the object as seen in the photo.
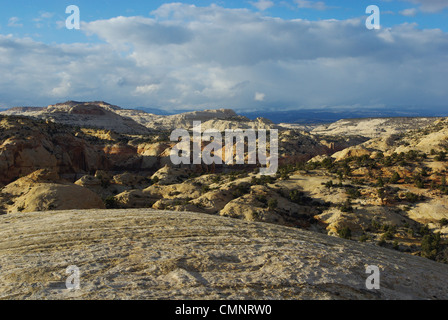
(102, 115)
(162, 118)
(317, 116)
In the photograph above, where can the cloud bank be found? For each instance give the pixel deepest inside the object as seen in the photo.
(188, 57)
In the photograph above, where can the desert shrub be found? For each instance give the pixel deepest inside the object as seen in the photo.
(389, 228)
(443, 181)
(395, 245)
(216, 179)
(441, 156)
(345, 233)
(155, 180)
(382, 242)
(424, 230)
(272, 204)
(363, 238)
(241, 190)
(299, 197)
(381, 192)
(419, 183)
(430, 245)
(105, 183)
(387, 161)
(395, 178)
(111, 203)
(347, 170)
(346, 207)
(353, 193)
(263, 180)
(412, 197)
(329, 184)
(388, 235)
(380, 182)
(262, 198)
(205, 188)
(375, 225)
(327, 163)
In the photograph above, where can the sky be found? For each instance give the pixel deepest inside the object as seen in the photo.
(258, 55)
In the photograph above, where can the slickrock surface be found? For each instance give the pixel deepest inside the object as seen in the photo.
(372, 127)
(147, 254)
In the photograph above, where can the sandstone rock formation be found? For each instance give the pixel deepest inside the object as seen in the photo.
(39, 192)
(145, 254)
(356, 151)
(99, 114)
(372, 127)
(83, 114)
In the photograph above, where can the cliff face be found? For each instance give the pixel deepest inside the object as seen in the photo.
(28, 145)
(146, 254)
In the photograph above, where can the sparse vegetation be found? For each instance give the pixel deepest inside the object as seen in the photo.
(111, 203)
(345, 233)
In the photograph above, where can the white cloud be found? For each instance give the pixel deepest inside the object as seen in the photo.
(318, 5)
(208, 57)
(13, 22)
(411, 12)
(147, 89)
(44, 16)
(262, 5)
(259, 96)
(430, 5)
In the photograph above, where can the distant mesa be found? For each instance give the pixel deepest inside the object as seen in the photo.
(103, 115)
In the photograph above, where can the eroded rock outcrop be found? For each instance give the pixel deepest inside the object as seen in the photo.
(44, 190)
(146, 254)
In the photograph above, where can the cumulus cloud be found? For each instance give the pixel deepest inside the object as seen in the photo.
(208, 57)
(262, 5)
(259, 96)
(430, 5)
(14, 22)
(318, 5)
(147, 89)
(411, 12)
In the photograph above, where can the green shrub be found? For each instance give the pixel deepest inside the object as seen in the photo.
(299, 197)
(205, 188)
(388, 235)
(345, 233)
(346, 207)
(272, 204)
(111, 203)
(155, 180)
(441, 156)
(412, 197)
(262, 199)
(430, 245)
(363, 238)
(353, 193)
(375, 225)
(241, 190)
(395, 178)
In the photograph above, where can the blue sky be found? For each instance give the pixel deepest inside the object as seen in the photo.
(39, 19)
(246, 55)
